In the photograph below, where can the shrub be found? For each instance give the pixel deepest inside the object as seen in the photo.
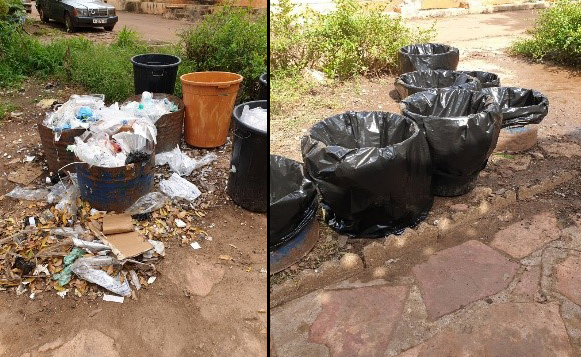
(353, 39)
(233, 40)
(556, 35)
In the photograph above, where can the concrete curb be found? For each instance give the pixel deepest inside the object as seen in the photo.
(470, 9)
(377, 252)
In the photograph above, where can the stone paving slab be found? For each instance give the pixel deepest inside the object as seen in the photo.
(358, 322)
(522, 238)
(457, 276)
(528, 284)
(502, 330)
(568, 275)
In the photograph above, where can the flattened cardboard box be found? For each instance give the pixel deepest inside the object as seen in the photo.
(117, 223)
(127, 245)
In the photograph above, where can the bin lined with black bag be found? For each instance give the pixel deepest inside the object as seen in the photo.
(461, 127)
(519, 106)
(487, 79)
(293, 200)
(425, 56)
(419, 81)
(372, 170)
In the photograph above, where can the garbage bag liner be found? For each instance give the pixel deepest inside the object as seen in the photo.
(427, 56)
(519, 106)
(372, 171)
(419, 81)
(461, 127)
(293, 200)
(487, 79)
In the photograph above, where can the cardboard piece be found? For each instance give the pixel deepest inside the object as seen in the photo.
(127, 245)
(117, 223)
(26, 174)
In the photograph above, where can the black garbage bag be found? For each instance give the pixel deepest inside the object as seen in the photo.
(427, 56)
(372, 170)
(419, 81)
(487, 79)
(293, 200)
(519, 106)
(461, 128)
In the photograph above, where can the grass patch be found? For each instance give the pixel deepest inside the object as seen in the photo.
(5, 110)
(556, 35)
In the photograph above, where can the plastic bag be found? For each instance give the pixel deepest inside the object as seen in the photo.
(68, 202)
(293, 200)
(93, 247)
(519, 106)
(419, 81)
(427, 56)
(64, 276)
(461, 128)
(150, 108)
(28, 194)
(372, 170)
(177, 187)
(256, 118)
(181, 163)
(88, 269)
(56, 192)
(148, 203)
(78, 112)
(487, 79)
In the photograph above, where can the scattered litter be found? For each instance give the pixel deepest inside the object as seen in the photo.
(78, 112)
(63, 293)
(32, 221)
(21, 289)
(93, 247)
(64, 276)
(180, 223)
(29, 158)
(127, 245)
(233, 246)
(150, 108)
(256, 118)
(135, 279)
(32, 296)
(181, 163)
(226, 257)
(148, 203)
(196, 245)
(41, 268)
(263, 271)
(151, 280)
(113, 298)
(28, 194)
(176, 186)
(117, 223)
(56, 192)
(89, 270)
(158, 247)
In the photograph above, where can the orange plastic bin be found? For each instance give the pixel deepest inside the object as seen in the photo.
(209, 99)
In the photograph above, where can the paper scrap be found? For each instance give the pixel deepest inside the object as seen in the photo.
(151, 279)
(113, 298)
(117, 223)
(63, 293)
(180, 223)
(196, 245)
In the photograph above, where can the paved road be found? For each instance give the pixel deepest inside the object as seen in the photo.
(153, 28)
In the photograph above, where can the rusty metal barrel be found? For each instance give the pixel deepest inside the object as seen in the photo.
(55, 152)
(115, 188)
(169, 126)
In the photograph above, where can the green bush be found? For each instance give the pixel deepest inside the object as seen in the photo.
(233, 40)
(353, 39)
(556, 35)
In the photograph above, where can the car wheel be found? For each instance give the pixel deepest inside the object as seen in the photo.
(109, 28)
(43, 17)
(69, 23)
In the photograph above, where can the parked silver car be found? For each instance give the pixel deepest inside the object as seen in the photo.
(78, 13)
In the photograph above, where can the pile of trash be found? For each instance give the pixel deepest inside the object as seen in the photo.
(83, 111)
(114, 144)
(256, 118)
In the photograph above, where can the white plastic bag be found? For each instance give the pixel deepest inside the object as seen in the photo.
(88, 269)
(68, 202)
(256, 118)
(27, 194)
(181, 163)
(178, 187)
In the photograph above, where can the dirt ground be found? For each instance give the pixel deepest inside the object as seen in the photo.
(482, 43)
(200, 304)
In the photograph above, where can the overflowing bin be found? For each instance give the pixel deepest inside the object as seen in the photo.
(419, 81)
(427, 56)
(372, 170)
(293, 227)
(247, 184)
(461, 128)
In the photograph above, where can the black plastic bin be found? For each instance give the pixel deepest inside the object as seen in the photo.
(461, 128)
(519, 106)
(293, 200)
(487, 79)
(372, 170)
(419, 81)
(427, 56)
(264, 88)
(155, 73)
(247, 185)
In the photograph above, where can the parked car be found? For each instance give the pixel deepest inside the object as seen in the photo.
(27, 5)
(78, 13)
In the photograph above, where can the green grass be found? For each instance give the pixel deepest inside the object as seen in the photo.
(5, 110)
